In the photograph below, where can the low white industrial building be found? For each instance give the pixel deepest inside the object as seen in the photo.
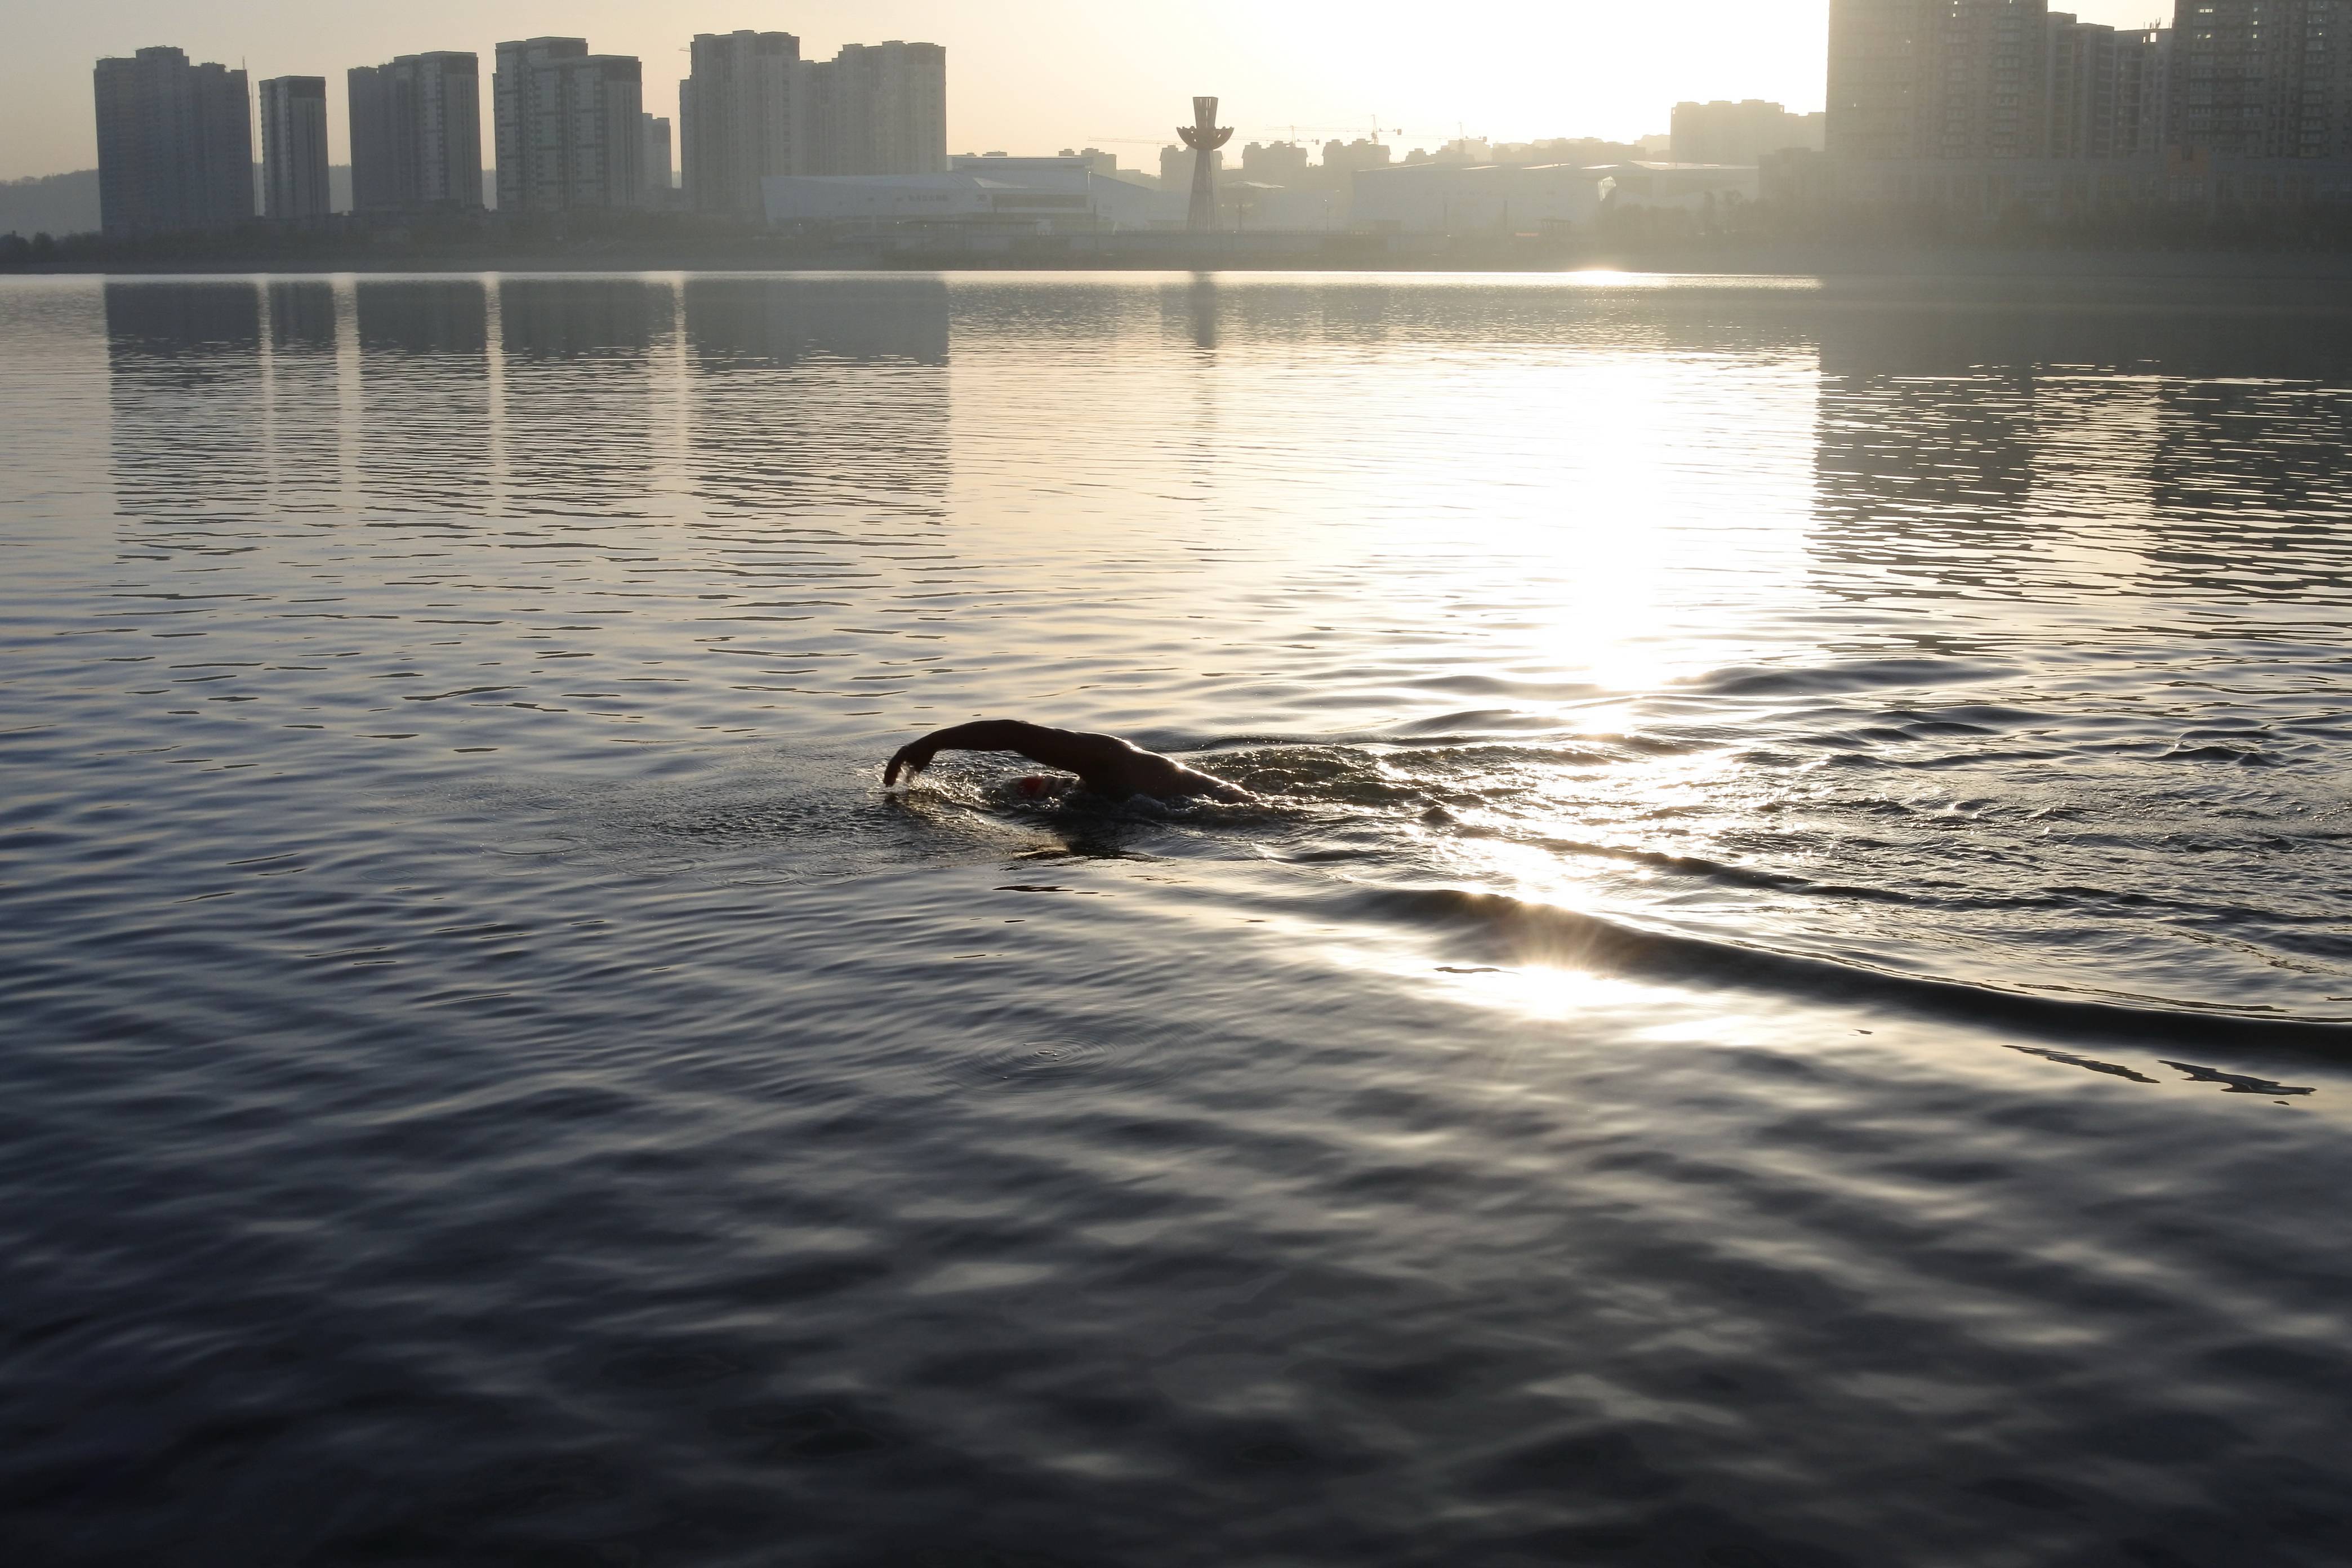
(1050, 195)
(1053, 195)
(1694, 188)
(1529, 198)
(1253, 206)
(1471, 198)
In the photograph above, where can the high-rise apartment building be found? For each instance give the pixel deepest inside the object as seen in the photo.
(1988, 90)
(1270, 163)
(416, 134)
(2107, 90)
(294, 147)
(744, 115)
(1996, 106)
(754, 108)
(2149, 70)
(653, 131)
(1992, 79)
(884, 109)
(2082, 80)
(174, 143)
(2264, 79)
(1882, 54)
(568, 131)
(1176, 165)
(530, 126)
(1740, 133)
(1339, 157)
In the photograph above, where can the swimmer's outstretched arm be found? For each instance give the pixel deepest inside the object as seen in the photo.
(1097, 760)
(1105, 765)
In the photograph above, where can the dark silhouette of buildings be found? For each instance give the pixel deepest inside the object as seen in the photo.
(568, 131)
(2012, 78)
(659, 163)
(416, 134)
(2108, 90)
(754, 109)
(2264, 79)
(1985, 107)
(741, 119)
(174, 144)
(882, 109)
(1961, 79)
(294, 148)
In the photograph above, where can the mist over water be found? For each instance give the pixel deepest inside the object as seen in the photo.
(1786, 1000)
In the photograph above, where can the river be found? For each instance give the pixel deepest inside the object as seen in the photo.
(1787, 998)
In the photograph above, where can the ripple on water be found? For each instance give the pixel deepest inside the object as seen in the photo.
(1128, 1059)
(1783, 1002)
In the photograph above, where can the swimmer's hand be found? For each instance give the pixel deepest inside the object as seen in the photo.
(911, 759)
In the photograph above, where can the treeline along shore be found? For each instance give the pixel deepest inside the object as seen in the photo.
(1762, 239)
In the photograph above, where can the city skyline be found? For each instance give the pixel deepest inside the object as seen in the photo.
(1055, 73)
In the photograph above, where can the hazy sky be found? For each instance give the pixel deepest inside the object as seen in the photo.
(1026, 75)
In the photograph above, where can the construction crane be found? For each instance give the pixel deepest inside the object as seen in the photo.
(1378, 128)
(1163, 141)
(1378, 131)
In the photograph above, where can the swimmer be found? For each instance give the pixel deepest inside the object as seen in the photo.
(1105, 765)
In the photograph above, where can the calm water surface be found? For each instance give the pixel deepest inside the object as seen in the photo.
(1789, 1001)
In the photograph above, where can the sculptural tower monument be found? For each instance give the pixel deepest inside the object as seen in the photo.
(1205, 136)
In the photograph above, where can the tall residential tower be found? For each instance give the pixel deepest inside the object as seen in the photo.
(744, 114)
(753, 108)
(883, 110)
(654, 131)
(174, 144)
(1996, 81)
(416, 134)
(294, 148)
(1880, 57)
(2264, 79)
(569, 133)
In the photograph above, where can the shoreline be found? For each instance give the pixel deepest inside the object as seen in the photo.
(1726, 262)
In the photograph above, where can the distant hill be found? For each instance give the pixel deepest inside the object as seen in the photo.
(68, 204)
(52, 204)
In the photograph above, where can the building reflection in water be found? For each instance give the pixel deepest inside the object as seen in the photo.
(1196, 307)
(188, 395)
(182, 321)
(424, 411)
(737, 322)
(817, 393)
(582, 397)
(577, 409)
(1961, 445)
(2247, 484)
(423, 317)
(302, 315)
(1991, 449)
(303, 438)
(568, 318)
